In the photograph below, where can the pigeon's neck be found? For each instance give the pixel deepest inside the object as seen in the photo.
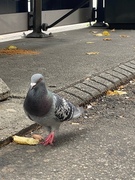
(41, 88)
(38, 101)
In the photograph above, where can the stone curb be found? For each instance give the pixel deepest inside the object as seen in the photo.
(93, 87)
(90, 88)
(4, 90)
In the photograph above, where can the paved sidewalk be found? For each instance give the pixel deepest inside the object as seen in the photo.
(67, 68)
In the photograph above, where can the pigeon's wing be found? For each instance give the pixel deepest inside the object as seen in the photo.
(64, 110)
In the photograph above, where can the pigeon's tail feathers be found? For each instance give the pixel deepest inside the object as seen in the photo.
(78, 112)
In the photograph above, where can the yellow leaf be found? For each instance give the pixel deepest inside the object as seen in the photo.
(25, 140)
(120, 92)
(115, 92)
(92, 53)
(12, 47)
(106, 33)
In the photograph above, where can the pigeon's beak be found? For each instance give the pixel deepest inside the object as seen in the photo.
(32, 85)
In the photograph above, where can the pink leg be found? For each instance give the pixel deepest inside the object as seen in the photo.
(49, 139)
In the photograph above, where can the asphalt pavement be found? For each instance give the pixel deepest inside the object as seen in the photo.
(83, 149)
(99, 146)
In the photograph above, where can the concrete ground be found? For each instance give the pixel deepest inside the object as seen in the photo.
(99, 146)
(90, 150)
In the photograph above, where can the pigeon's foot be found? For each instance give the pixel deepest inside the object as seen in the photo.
(49, 139)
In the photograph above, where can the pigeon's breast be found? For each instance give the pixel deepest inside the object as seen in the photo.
(37, 106)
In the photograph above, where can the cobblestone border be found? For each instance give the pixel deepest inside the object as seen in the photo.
(95, 86)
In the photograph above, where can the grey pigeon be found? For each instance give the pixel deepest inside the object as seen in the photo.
(47, 108)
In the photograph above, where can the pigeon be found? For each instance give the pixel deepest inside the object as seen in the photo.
(47, 108)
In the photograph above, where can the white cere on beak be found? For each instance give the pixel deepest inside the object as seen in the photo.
(32, 85)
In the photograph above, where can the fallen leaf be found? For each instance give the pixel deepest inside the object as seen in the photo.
(120, 92)
(94, 32)
(106, 33)
(92, 53)
(90, 42)
(107, 39)
(113, 30)
(124, 36)
(115, 92)
(12, 47)
(17, 51)
(121, 87)
(99, 34)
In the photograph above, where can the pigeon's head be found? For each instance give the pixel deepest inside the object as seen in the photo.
(36, 79)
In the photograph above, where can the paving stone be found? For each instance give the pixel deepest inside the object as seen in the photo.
(111, 78)
(130, 65)
(70, 97)
(12, 118)
(96, 85)
(124, 72)
(122, 77)
(133, 61)
(127, 69)
(103, 81)
(92, 91)
(78, 93)
(4, 90)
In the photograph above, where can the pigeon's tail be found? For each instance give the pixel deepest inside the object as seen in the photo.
(78, 112)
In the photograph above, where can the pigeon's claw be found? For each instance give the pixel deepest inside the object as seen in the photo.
(49, 139)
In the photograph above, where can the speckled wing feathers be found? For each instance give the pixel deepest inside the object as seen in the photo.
(64, 110)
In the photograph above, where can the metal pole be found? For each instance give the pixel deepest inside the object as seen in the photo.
(37, 19)
(100, 15)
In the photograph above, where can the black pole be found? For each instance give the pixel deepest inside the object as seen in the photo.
(100, 15)
(37, 19)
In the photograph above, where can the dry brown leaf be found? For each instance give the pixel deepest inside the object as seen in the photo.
(107, 39)
(17, 51)
(113, 30)
(115, 92)
(121, 87)
(94, 32)
(124, 36)
(92, 53)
